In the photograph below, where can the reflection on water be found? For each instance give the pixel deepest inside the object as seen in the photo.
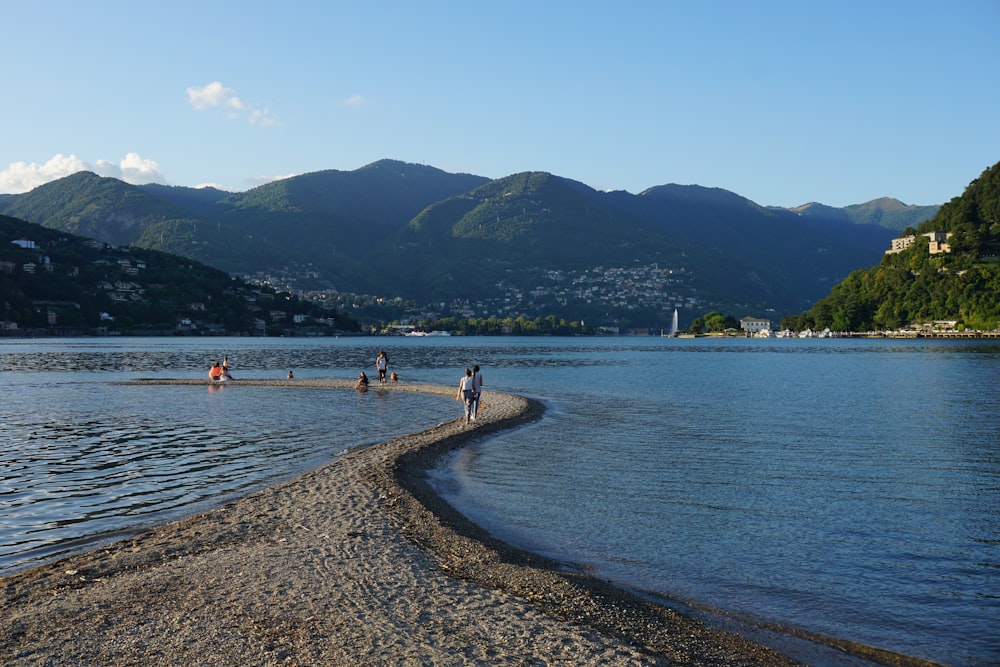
(850, 488)
(87, 459)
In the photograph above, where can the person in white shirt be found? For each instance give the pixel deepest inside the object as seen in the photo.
(382, 364)
(467, 393)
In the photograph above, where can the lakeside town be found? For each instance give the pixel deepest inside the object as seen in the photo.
(612, 290)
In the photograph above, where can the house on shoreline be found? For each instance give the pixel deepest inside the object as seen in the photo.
(755, 326)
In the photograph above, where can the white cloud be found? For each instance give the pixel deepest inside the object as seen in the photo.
(132, 169)
(217, 95)
(22, 176)
(355, 101)
(212, 95)
(262, 117)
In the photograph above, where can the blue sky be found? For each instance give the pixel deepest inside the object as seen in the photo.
(783, 102)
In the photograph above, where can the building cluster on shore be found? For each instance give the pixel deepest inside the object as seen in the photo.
(636, 289)
(755, 327)
(107, 290)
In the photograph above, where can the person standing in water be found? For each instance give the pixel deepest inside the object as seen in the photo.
(382, 365)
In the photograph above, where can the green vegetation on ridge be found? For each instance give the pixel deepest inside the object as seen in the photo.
(915, 286)
(527, 245)
(52, 282)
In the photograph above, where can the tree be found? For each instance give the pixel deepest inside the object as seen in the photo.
(716, 322)
(915, 286)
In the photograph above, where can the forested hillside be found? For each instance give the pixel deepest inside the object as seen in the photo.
(52, 282)
(959, 283)
(530, 245)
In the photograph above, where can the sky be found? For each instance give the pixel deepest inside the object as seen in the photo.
(784, 102)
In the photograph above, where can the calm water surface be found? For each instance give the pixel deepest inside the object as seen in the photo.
(849, 488)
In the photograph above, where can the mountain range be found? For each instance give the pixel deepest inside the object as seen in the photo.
(528, 244)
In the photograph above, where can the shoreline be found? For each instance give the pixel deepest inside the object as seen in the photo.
(356, 562)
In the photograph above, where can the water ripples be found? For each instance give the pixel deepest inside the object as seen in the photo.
(847, 487)
(72, 472)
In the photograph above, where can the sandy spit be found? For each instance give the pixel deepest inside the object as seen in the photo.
(355, 563)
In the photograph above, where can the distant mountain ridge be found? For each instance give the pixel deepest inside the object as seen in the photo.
(399, 229)
(882, 212)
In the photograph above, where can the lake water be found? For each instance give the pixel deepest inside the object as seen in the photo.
(844, 487)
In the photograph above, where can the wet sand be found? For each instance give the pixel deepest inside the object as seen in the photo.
(355, 563)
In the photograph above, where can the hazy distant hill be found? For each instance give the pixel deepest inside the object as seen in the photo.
(760, 252)
(532, 240)
(883, 212)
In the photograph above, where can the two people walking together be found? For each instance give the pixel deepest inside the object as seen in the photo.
(470, 389)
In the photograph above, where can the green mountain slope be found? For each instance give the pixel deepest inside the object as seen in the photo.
(200, 202)
(541, 217)
(331, 222)
(883, 212)
(531, 243)
(355, 209)
(88, 205)
(319, 224)
(509, 232)
(762, 257)
(916, 286)
(53, 282)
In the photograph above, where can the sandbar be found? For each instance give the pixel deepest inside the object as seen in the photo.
(357, 562)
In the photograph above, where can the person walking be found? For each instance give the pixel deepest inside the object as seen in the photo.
(477, 386)
(382, 365)
(466, 393)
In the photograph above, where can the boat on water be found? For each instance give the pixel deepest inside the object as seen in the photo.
(427, 333)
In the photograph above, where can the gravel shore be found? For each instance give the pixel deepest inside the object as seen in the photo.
(355, 563)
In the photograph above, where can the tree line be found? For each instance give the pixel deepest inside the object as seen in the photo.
(549, 325)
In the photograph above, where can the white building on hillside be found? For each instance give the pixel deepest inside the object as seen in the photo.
(938, 243)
